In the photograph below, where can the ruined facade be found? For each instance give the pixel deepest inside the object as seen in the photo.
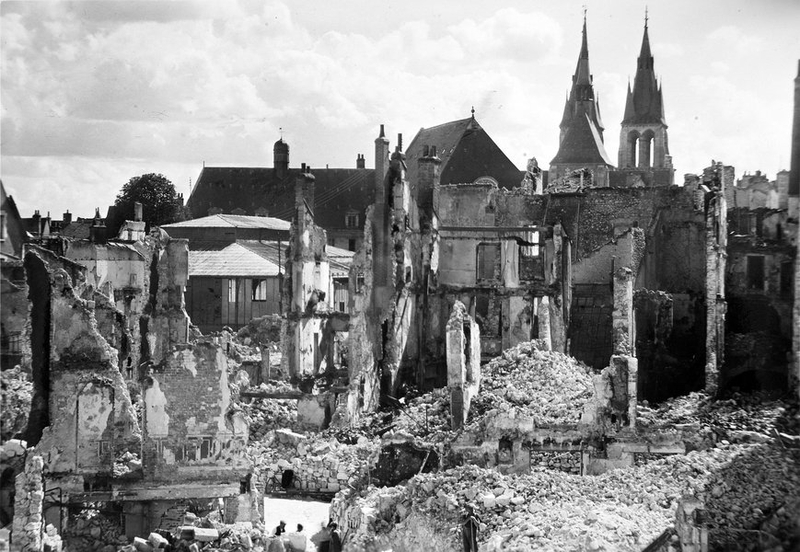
(126, 411)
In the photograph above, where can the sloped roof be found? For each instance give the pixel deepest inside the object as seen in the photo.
(232, 221)
(253, 259)
(253, 188)
(582, 145)
(231, 260)
(470, 148)
(77, 230)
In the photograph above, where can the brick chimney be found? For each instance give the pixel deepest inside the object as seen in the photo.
(37, 222)
(137, 212)
(360, 161)
(428, 177)
(97, 232)
(304, 194)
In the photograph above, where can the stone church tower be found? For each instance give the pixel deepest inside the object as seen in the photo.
(581, 137)
(643, 143)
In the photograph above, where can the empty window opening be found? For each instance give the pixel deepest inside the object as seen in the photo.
(488, 262)
(755, 272)
(259, 290)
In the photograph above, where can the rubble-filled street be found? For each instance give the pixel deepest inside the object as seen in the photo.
(530, 327)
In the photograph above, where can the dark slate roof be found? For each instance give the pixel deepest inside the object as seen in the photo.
(77, 230)
(467, 153)
(582, 145)
(253, 188)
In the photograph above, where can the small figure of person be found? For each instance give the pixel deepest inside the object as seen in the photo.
(296, 541)
(322, 539)
(280, 529)
(469, 530)
(336, 537)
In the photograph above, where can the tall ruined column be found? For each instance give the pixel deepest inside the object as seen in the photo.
(463, 362)
(622, 316)
(27, 528)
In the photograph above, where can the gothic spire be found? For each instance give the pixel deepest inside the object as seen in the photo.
(581, 97)
(645, 105)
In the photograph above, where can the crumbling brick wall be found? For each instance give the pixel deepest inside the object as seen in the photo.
(192, 430)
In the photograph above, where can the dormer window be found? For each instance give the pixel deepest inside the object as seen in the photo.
(351, 220)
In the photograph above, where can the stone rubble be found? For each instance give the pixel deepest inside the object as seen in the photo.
(551, 387)
(16, 394)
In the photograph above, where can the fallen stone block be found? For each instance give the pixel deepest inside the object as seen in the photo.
(142, 545)
(157, 541)
(203, 534)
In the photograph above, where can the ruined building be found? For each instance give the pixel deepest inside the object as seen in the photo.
(127, 412)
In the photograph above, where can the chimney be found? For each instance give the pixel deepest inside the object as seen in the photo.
(360, 162)
(280, 158)
(304, 194)
(137, 212)
(97, 232)
(37, 222)
(67, 218)
(428, 177)
(381, 165)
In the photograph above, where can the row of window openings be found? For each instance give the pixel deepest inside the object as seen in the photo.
(488, 265)
(756, 274)
(258, 290)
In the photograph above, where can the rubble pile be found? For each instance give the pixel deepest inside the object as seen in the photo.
(741, 412)
(93, 531)
(261, 331)
(551, 387)
(318, 464)
(426, 417)
(266, 415)
(569, 462)
(620, 510)
(16, 393)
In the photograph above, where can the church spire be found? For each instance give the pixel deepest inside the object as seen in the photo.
(581, 99)
(645, 105)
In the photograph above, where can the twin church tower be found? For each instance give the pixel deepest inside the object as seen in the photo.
(644, 158)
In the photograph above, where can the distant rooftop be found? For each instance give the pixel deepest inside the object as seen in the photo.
(232, 221)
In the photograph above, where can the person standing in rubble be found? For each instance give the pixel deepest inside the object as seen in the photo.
(469, 530)
(336, 537)
(322, 539)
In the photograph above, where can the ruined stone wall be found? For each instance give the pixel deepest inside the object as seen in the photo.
(165, 322)
(95, 420)
(317, 465)
(27, 528)
(192, 430)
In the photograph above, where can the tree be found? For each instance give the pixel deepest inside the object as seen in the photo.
(161, 204)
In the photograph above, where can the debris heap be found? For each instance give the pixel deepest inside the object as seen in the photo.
(551, 387)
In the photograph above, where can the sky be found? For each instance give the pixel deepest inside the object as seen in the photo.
(93, 93)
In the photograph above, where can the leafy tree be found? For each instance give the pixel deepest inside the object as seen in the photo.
(160, 202)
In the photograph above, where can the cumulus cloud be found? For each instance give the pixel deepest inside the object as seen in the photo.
(95, 92)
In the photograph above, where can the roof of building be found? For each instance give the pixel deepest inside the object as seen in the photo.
(77, 229)
(232, 221)
(582, 144)
(253, 188)
(254, 259)
(467, 152)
